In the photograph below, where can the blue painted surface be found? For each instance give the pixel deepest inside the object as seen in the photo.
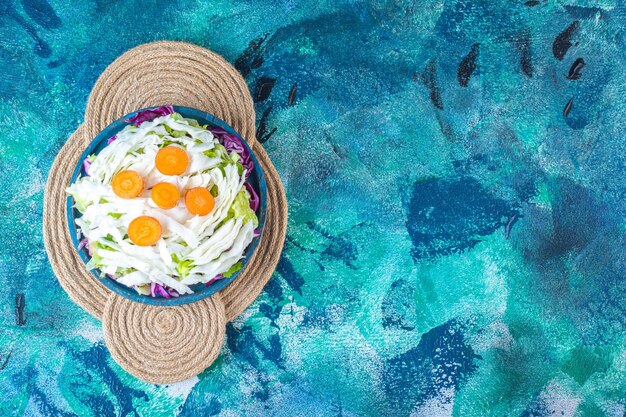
(455, 182)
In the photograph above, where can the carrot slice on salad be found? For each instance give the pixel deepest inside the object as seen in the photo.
(127, 184)
(144, 231)
(165, 195)
(171, 160)
(199, 201)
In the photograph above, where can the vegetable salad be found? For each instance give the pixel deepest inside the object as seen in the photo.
(166, 204)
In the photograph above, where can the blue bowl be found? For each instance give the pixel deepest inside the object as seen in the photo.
(200, 291)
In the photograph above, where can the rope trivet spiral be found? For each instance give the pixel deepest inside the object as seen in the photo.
(163, 344)
(139, 335)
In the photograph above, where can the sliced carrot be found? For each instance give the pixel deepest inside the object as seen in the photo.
(127, 184)
(171, 160)
(144, 231)
(199, 201)
(165, 195)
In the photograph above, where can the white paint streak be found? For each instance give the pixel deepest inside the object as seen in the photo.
(558, 401)
(89, 331)
(440, 406)
(183, 388)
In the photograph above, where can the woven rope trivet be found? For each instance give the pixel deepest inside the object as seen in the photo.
(154, 74)
(164, 344)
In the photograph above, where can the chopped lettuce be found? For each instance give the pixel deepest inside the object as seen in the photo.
(168, 142)
(192, 122)
(103, 246)
(253, 196)
(96, 259)
(182, 267)
(174, 133)
(193, 249)
(236, 267)
(241, 209)
(218, 151)
(81, 204)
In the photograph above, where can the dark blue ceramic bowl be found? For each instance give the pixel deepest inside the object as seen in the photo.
(200, 291)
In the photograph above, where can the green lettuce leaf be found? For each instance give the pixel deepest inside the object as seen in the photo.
(241, 209)
(232, 270)
(168, 142)
(192, 122)
(103, 246)
(174, 133)
(81, 205)
(182, 267)
(219, 151)
(96, 259)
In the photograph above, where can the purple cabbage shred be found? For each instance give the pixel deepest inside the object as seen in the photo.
(86, 165)
(150, 114)
(254, 198)
(233, 143)
(84, 243)
(212, 280)
(158, 289)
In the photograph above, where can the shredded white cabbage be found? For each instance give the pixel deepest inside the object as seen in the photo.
(193, 249)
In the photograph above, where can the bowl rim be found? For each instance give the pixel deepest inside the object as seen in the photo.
(203, 292)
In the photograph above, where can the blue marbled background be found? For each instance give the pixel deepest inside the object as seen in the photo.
(456, 236)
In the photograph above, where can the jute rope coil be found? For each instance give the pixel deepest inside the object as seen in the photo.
(91, 295)
(246, 288)
(82, 287)
(150, 75)
(163, 344)
(171, 73)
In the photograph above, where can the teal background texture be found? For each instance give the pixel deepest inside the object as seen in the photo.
(455, 172)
